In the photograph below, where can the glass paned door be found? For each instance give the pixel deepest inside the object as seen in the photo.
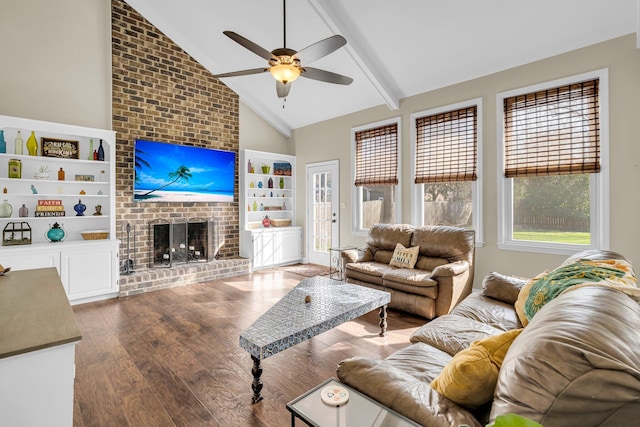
(322, 213)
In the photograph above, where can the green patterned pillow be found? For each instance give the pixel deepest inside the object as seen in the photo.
(545, 287)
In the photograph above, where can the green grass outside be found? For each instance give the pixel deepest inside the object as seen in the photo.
(569, 237)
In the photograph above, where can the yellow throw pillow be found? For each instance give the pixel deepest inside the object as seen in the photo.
(470, 378)
(404, 257)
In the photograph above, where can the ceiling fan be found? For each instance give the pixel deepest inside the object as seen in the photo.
(285, 64)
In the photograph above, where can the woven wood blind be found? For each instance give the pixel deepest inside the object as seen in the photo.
(553, 132)
(446, 146)
(377, 156)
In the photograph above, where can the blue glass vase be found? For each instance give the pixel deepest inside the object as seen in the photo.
(101, 152)
(56, 233)
(80, 208)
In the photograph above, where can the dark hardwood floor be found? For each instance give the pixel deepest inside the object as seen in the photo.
(171, 357)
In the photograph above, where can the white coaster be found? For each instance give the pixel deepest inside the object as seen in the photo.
(334, 395)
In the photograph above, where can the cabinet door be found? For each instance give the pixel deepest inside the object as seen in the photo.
(89, 272)
(27, 260)
(263, 249)
(289, 245)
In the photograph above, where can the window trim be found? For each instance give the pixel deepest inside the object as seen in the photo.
(417, 209)
(356, 192)
(599, 182)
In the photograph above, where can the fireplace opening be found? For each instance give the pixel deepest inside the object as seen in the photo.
(183, 241)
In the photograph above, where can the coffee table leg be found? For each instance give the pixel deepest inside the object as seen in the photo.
(257, 382)
(383, 320)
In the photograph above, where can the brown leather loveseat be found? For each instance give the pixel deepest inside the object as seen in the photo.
(441, 278)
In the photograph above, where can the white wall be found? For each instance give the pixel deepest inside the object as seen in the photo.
(56, 61)
(331, 140)
(257, 134)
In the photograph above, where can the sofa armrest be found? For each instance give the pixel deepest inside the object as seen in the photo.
(357, 255)
(451, 269)
(502, 287)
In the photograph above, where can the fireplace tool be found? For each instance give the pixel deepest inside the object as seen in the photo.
(127, 265)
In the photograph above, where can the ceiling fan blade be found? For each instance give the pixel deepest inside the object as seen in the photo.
(325, 76)
(258, 50)
(282, 89)
(320, 49)
(242, 73)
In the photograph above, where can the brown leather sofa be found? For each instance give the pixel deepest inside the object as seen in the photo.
(441, 278)
(576, 363)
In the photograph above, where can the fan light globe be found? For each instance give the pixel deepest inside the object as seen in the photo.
(284, 73)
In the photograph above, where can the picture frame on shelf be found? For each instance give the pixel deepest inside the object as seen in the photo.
(59, 148)
(282, 169)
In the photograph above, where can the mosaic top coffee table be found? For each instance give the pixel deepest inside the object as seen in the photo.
(314, 306)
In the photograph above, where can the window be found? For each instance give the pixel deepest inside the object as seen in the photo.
(376, 154)
(553, 143)
(446, 173)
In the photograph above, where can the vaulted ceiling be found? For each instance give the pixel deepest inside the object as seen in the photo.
(395, 49)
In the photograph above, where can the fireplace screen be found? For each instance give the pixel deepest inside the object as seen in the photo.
(183, 241)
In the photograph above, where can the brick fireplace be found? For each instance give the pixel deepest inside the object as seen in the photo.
(160, 93)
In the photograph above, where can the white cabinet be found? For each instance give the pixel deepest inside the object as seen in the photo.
(267, 189)
(91, 271)
(88, 268)
(288, 244)
(268, 247)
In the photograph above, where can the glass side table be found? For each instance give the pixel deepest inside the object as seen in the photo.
(359, 411)
(336, 265)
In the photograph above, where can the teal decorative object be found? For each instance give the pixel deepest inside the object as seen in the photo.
(3, 143)
(56, 233)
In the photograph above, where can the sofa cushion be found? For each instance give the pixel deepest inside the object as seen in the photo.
(368, 271)
(404, 257)
(470, 378)
(427, 288)
(429, 263)
(383, 256)
(452, 333)
(501, 287)
(451, 243)
(386, 236)
(576, 363)
(489, 311)
(401, 382)
(412, 277)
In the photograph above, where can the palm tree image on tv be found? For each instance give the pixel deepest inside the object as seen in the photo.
(166, 172)
(181, 173)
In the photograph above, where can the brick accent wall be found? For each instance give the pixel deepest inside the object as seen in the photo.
(162, 94)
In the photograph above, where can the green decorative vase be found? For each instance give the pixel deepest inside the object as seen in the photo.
(56, 233)
(32, 144)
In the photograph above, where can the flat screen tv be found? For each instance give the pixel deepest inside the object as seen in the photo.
(178, 173)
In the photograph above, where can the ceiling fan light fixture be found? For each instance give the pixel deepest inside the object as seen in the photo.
(285, 73)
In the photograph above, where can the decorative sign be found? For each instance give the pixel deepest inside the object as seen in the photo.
(61, 148)
(282, 169)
